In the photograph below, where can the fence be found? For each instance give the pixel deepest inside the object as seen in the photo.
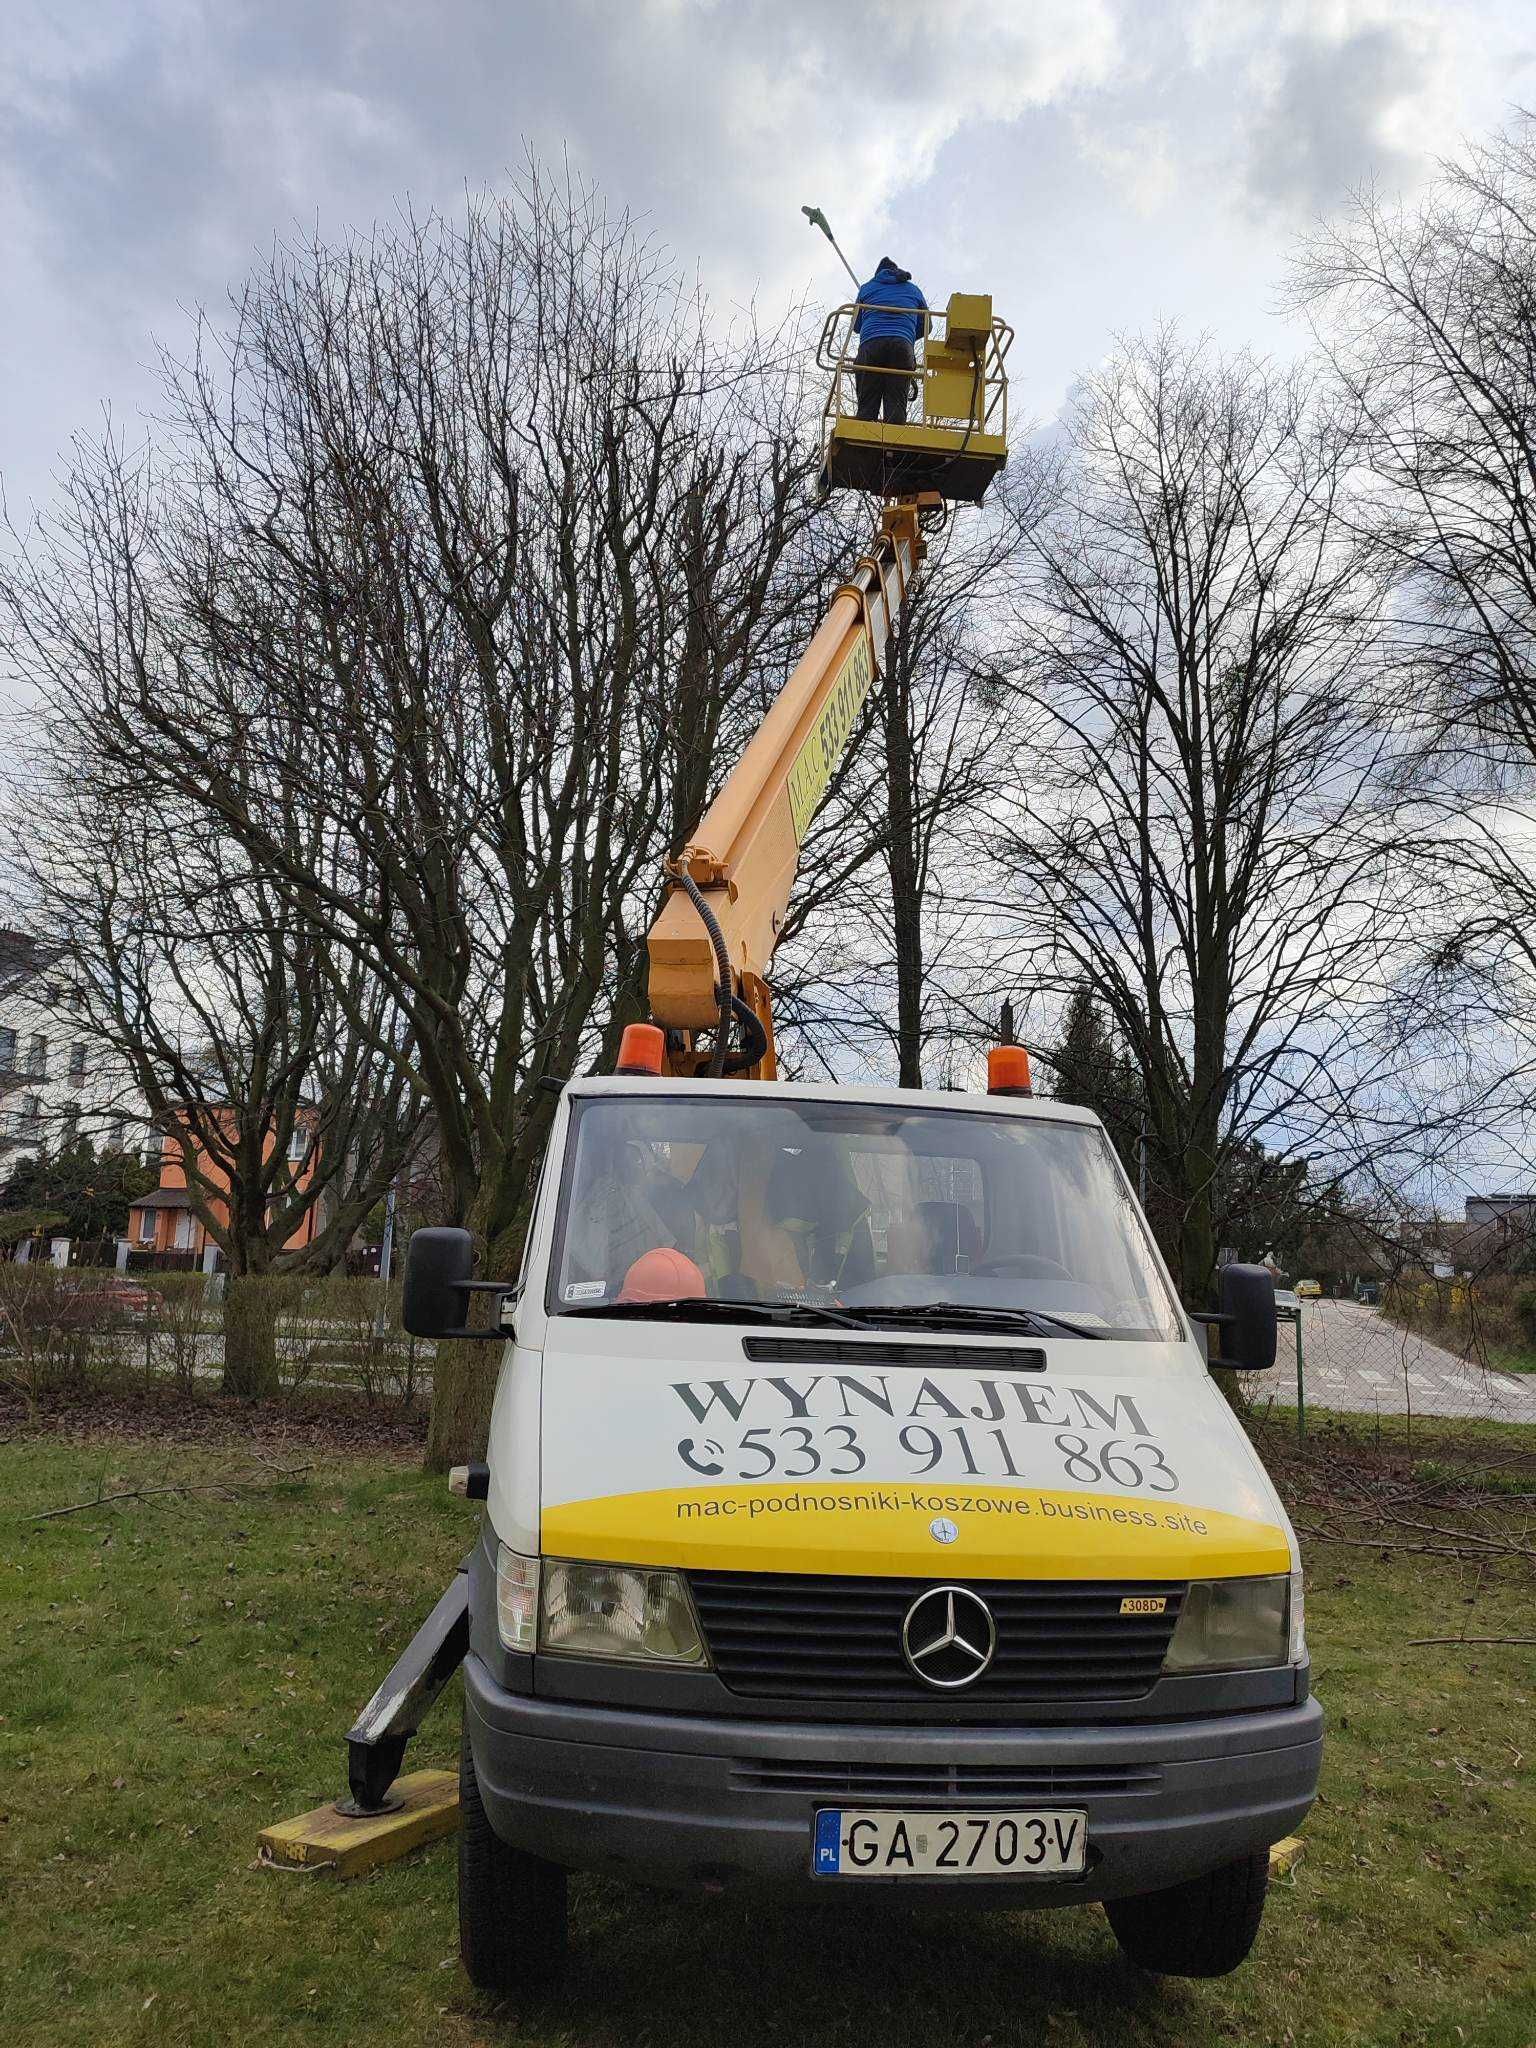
(360, 1262)
(1367, 1360)
(70, 1334)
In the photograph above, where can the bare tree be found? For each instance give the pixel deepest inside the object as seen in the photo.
(469, 548)
(1428, 316)
(269, 1071)
(1198, 753)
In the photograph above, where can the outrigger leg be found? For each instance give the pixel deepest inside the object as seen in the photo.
(377, 1739)
(383, 1819)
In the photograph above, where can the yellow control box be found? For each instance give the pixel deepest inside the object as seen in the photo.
(968, 320)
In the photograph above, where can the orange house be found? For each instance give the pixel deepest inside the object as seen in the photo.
(165, 1221)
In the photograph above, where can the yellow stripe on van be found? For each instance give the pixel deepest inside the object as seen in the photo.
(1000, 1532)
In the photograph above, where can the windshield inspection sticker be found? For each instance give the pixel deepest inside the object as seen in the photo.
(585, 1290)
(1105, 1473)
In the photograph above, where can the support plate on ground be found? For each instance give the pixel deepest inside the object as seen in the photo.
(428, 1809)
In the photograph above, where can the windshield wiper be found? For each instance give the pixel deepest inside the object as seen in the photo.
(1037, 1320)
(688, 1308)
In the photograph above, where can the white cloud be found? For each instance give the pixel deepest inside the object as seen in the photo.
(1093, 162)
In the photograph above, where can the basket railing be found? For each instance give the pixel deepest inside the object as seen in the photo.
(985, 391)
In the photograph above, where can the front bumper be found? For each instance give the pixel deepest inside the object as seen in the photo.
(687, 1800)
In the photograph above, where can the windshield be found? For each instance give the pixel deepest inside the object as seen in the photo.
(889, 1215)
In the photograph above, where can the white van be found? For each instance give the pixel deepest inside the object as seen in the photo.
(861, 1512)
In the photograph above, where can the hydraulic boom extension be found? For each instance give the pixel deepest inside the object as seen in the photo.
(743, 857)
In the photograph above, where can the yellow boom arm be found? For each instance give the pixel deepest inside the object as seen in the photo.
(745, 852)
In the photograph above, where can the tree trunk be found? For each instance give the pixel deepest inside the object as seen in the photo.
(1198, 1249)
(250, 1336)
(902, 863)
(463, 1388)
(464, 1375)
(1197, 1233)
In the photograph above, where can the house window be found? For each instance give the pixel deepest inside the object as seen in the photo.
(77, 1060)
(37, 1057)
(7, 1048)
(298, 1144)
(146, 1226)
(30, 1122)
(69, 1121)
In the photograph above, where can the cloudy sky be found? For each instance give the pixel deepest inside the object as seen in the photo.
(1097, 164)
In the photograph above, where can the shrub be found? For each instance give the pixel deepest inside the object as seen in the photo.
(1489, 1320)
(346, 1329)
(57, 1332)
(180, 1326)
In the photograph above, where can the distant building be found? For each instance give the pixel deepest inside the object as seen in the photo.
(165, 1221)
(1498, 1231)
(55, 1083)
(1517, 1212)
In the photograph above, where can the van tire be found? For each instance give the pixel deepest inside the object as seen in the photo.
(512, 1906)
(1201, 1928)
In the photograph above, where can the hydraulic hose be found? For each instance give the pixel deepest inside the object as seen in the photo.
(723, 990)
(754, 1038)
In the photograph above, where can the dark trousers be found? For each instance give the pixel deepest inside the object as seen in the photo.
(887, 394)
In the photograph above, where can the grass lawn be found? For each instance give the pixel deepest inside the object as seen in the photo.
(178, 1670)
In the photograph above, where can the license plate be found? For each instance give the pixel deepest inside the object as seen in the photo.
(853, 1842)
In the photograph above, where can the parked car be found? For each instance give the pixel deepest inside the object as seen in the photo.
(1309, 1290)
(112, 1293)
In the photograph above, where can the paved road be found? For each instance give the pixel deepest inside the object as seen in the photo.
(1353, 1358)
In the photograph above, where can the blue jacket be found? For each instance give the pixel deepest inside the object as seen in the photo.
(890, 286)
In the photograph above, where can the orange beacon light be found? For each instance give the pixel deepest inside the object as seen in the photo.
(641, 1049)
(1008, 1071)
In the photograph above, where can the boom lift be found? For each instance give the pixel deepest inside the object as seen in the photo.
(711, 1632)
(712, 943)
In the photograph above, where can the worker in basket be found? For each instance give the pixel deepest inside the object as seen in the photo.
(892, 314)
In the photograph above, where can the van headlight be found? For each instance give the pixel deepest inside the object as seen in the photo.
(1232, 1625)
(610, 1610)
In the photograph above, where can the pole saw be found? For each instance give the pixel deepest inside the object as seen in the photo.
(818, 219)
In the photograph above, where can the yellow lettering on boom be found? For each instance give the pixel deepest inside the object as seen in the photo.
(817, 760)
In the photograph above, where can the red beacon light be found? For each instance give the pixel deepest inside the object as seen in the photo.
(641, 1049)
(1008, 1071)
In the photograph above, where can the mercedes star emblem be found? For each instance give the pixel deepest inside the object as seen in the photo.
(948, 1637)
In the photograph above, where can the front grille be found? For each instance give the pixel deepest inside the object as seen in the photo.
(900, 1782)
(785, 1636)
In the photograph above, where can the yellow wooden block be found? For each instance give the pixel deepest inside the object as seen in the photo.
(349, 1846)
(1284, 1856)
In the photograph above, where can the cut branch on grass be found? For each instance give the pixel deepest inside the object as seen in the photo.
(1429, 1642)
(1466, 1544)
(224, 1489)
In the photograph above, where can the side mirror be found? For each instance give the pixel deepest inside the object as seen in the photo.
(1250, 1325)
(435, 1298)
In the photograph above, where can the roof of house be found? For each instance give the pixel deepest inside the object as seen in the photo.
(163, 1198)
(21, 957)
